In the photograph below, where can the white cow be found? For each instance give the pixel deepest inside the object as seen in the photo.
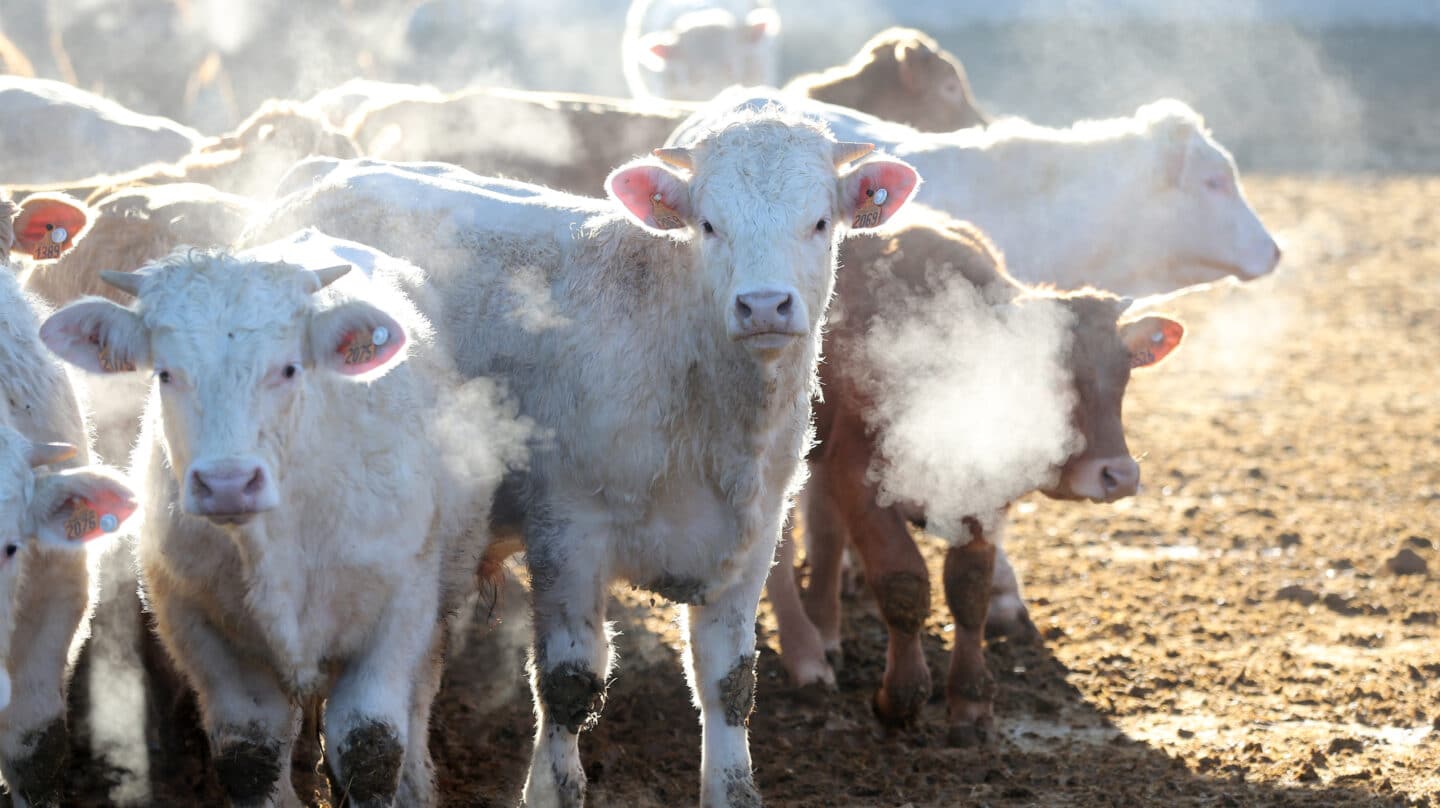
(41, 404)
(47, 516)
(1135, 206)
(53, 132)
(667, 345)
(304, 538)
(689, 50)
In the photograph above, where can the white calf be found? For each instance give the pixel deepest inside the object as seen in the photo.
(303, 538)
(689, 50)
(667, 344)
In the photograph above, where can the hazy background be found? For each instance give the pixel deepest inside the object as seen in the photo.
(1289, 85)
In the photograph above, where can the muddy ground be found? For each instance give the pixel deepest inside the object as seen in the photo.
(1235, 635)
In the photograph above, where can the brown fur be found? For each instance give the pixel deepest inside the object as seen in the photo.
(918, 260)
(900, 75)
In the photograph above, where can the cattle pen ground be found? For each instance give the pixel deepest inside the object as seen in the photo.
(1237, 634)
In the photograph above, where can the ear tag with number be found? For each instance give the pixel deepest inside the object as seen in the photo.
(665, 216)
(869, 213)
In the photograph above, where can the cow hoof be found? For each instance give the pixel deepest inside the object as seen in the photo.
(897, 708)
(970, 736)
(810, 672)
(1015, 626)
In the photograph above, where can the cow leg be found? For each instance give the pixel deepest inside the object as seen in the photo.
(801, 648)
(368, 712)
(1008, 615)
(570, 659)
(825, 541)
(34, 741)
(417, 779)
(901, 583)
(720, 661)
(970, 689)
(248, 715)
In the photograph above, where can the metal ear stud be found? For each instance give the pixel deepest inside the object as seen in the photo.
(656, 197)
(59, 235)
(881, 195)
(109, 523)
(380, 335)
(1158, 337)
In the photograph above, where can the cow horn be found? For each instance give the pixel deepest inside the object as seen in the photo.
(846, 152)
(128, 282)
(680, 158)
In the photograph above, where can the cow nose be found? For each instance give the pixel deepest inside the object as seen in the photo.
(1119, 478)
(229, 489)
(765, 312)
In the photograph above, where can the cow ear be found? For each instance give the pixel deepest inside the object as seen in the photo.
(1150, 339)
(654, 50)
(356, 339)
(762, 22)
(48, 225)
(654, 196)
(914, 61)
(72, 507)
(875, 190)
(100, 336)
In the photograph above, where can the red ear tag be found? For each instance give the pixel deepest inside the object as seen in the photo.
(93, 519)
(665, 216)
(869, 213)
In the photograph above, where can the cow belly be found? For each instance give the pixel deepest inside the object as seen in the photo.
(685, 532)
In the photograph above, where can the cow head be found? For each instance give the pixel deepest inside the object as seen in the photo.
(763, 201)
(237, 348)
(708, 50)
(1103, 352)
(1193, 222)
(43, 509)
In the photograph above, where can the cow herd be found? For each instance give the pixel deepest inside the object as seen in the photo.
(356, 353)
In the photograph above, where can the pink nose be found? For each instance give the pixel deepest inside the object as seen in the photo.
(1119, 478)
(228, 490)
(767, 312)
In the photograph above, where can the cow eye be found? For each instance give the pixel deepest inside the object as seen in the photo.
(164, 376)
(11, 550)
(290, 370)
(709, 230)
(820, 225)
(1215, 183)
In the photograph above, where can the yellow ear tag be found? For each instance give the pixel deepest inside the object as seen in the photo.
(869, 213)
(82, 522)
(665, 216)
(108, 363)
(52, 246)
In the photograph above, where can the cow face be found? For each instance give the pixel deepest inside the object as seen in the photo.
(62, 510)
(1103, 352)
(763, 203)
(1194, 223)
(237, 348)
(709, 50)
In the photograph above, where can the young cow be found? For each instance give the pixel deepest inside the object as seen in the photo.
(885, 278)
(689, 50)
(667, 345)
(303, 538)
(900, 75)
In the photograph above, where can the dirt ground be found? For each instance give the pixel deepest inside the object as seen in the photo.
(1234, 635)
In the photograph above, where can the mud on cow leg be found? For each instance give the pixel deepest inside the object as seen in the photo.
(37, 774)
(247, 764)
(370, 759)
(904, 599)
(970, 689)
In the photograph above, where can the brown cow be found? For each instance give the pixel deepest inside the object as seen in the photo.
(900, 75)
(840, 500)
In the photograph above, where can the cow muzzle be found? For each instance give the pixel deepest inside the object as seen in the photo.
(768, 319)
(1103, 479)
(229, 491)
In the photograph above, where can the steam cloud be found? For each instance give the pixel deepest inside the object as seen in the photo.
(973, 407)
